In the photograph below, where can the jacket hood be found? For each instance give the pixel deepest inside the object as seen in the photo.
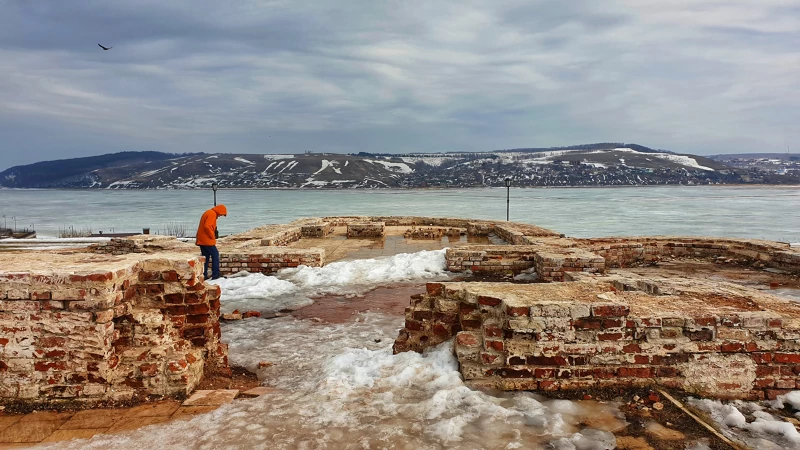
(221, 210)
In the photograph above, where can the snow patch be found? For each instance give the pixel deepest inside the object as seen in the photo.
(394, 167)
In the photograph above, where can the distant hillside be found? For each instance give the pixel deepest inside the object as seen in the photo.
(599, 164)
(74, 171)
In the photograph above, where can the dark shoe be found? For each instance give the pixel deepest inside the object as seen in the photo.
(217, 277)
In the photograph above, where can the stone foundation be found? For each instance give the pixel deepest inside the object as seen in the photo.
(713, 339)
(317, 230)
(270, 260)
(368, 230)
(78, 328)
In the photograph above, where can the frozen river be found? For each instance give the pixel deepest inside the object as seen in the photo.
(754, 212)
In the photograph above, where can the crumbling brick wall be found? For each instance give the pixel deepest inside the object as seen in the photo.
(365, 229)
(268, 260)
(625, 252)
(542, 337)
(550, 262)
(140, 327)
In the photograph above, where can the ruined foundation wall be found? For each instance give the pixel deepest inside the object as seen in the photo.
(585, 338)
(551, 263)
(268, 260)
(625, 252)
(140, 327)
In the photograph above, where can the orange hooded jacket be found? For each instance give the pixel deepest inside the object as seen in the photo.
(208, 223)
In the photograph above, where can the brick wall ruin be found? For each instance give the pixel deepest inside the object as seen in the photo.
(270, 260)
(578, 335)
(106, 329)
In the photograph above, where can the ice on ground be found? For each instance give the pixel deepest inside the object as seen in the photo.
(293, 288)
(335, 387)
(764, 431)
(358, 276)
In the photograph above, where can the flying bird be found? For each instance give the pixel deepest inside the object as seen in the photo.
(105, 48)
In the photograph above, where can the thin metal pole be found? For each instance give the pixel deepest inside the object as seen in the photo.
(508, 201)
(215, 197)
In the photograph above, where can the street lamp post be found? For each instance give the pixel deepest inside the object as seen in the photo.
(214, 187)
(508, 196)
(15, 223)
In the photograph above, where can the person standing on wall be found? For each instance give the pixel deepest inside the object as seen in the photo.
(207, 235)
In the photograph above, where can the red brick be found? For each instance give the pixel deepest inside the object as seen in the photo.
(610, 310)
(413, 325)
(631, 348)
(149, 276)
(441, 330)
(612, 323)
(41, 295)
(495, 345)
(609, 336)
(169, 275)
(434, 289)
(544, 373)
(641, 359)
(557, 360)
(636, 372)
(44, 366)
(193, 332)
(177, 366)
(786, 358)
(194, 297)
(514, 373)
(764, 383)
(173, 299)
(466, 308)
(604, 373)
(587, 324)
(148, 370)
(197, 319)
(49, 342)
(548, 385)
(517, 311)
(488, 358)
(773, 394)
(202, 308)
(488, 301)
(176, 310)
(730, 347)
(466, 339)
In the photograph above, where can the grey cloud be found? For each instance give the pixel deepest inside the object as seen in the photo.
(702, 76)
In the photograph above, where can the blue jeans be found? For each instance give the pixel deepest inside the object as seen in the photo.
(212, 257)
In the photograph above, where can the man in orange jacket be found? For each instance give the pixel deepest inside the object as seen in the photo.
(207, 239)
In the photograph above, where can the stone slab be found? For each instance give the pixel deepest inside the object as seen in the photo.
(161, 409)
(211, 398)
(94, 418)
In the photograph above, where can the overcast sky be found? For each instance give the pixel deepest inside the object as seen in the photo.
(696, 76)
